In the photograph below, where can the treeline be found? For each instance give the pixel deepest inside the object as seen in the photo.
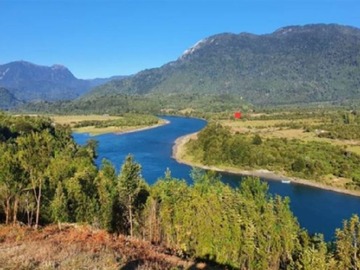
(126, 120)
(46, 178)
(216, 145)
(177, 103)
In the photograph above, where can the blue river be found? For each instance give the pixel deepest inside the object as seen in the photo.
(317, 210)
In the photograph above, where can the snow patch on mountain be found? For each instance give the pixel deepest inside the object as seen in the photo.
(192, 49)
(58, 67)
(4, 73)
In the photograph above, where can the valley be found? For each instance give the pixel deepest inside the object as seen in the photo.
(155, 171)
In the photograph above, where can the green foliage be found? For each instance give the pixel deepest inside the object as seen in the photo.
(257, 140)
(12, 181)
(298, 64)
(194, 104)
(241, 228)
(314, 255)
(343, 125)
(106, 190)
(348, 244)
(232, 226)
(7, 99)
(58, 205)
(43, 173)
(131, 190)
(310, 160)
(124, 121)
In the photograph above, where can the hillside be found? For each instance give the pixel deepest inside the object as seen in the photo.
(294, 64)
(30, 82)
(80, 247)
(7, 99)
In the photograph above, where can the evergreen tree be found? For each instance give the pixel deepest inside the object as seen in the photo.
(348, 244)
(106, 190)
(12, 181)
(59, 206)
(129, 187)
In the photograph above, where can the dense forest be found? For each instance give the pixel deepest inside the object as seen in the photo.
(179, 103)
(45, 177)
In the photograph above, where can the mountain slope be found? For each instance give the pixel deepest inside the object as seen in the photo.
(7, 99)
(293, 64)
(30, 82)
(81, 247)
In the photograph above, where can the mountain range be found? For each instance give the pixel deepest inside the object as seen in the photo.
(25, 81)
(294, 64)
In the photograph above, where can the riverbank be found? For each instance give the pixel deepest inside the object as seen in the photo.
(117, 130)
(179, 156)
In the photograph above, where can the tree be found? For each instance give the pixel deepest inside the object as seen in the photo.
(106, 189)
(257, 140)
(11, 181)
(35, 152)
(58, 205)
(348, 244)
(129, 186)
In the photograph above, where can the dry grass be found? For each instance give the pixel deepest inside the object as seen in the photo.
(257, 123)
(97, 131)
(354, 148)
(80, 247)
(271, 129)
(73, 119)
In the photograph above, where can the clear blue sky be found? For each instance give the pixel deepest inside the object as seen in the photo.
(101, 38)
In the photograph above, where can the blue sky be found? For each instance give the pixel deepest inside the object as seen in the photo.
(101, 38)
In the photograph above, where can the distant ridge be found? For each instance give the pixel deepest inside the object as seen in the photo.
(294, 64)
(30, 82)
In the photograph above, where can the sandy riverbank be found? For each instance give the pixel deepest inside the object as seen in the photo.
(179, 152)
(161, 123)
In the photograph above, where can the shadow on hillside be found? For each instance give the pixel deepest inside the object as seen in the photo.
(199, 264)
(132, 265)
(207, 264)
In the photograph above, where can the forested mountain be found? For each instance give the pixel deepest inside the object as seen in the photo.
(294, 64)
(7, 99)
(29, 82)
(98, 81)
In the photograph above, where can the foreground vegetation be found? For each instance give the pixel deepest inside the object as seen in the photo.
(46, 178)
(81, 247)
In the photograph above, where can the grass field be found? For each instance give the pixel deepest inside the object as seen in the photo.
(283, 128)
(71, 120)
(306, 128)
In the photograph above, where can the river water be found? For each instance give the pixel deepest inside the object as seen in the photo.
(317, 210)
